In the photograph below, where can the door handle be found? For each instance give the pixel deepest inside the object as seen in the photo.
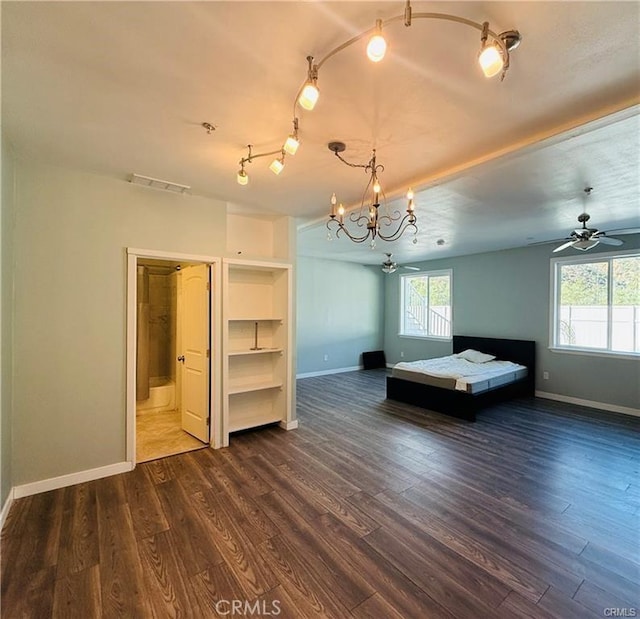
(181, 358)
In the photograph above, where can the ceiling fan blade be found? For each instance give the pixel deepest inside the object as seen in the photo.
(564, 246)
(624, 231)
(547, 242)
(411, 268)
(607, 240)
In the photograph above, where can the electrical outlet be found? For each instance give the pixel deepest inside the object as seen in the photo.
(326, 358)
(402, 354)
(545, 375)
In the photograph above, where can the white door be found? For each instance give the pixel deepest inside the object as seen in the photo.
(194, 324)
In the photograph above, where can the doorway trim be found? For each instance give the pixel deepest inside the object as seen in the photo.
(215, 301)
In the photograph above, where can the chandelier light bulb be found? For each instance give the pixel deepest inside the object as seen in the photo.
(243, 177)
(277, 165)
(376, 187)
(291, 145)
(490, 60)
(309, 96)
(410, 194)
(377, 46)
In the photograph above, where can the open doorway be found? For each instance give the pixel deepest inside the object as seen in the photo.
(171, 377)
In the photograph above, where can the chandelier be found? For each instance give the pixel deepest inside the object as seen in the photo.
(369, 218)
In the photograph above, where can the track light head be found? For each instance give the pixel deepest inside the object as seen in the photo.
(310, 93)
(277, 165)
(243, 177)
(377, 46)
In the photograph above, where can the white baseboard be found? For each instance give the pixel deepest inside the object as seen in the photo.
(289, 425)
(70, 480)
(6, 507)
(334, 371)
(603, 406)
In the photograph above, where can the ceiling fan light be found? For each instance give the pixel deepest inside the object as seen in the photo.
(490, 60)
(389, 267)
(585, 244)
(309, 96)
(291, 145)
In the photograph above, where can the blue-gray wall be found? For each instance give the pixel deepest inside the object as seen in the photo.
(506, 294)
(340, 313)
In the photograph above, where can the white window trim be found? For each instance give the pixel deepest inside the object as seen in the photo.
(436, 273)
(554, 284)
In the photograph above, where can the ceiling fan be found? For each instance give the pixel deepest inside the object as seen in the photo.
(389, 266)
(585, 238)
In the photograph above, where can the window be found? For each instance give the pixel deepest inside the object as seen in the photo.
(596, 303)
(425, 304)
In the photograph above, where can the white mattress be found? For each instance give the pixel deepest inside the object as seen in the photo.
(461, 374)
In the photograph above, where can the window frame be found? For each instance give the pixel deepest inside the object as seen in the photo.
(437, 273)
(554, 298)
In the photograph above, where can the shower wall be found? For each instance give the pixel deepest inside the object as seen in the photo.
(162, 322)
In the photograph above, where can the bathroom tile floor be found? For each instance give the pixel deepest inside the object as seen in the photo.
(159, 434)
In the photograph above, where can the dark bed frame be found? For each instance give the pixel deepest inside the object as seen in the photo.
(465, 405)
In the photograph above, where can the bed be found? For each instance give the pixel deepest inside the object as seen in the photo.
(479, 392)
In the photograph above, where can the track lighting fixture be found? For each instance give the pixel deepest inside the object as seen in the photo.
(242, 177)
(310, 93)
(292, 142)
(493, 58)
(277, 165)
(377, 46)
(490, 56)
(378, 224)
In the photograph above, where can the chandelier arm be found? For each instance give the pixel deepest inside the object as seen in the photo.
(359, 220)
(396, 215)
(341, 228)
(402, 226)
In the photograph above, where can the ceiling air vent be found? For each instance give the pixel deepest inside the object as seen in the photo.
(156, 183)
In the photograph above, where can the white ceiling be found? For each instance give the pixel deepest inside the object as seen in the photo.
(118, 87)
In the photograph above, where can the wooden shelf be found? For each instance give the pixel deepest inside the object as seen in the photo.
(236, 388)
(245, 425)
(262, 351)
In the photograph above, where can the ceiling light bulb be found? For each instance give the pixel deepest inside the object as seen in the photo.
(376, 187)
(490, 60)
(410, 194)
(309, 96)
(242, 177)
(377, 46)
(277, 166)
(341, 210)
(291, 145)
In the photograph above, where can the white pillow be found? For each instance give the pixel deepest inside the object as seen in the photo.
(475, 356)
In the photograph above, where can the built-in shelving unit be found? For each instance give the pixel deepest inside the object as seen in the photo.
(256, 345)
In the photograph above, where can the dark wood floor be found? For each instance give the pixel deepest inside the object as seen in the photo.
(370, 509)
